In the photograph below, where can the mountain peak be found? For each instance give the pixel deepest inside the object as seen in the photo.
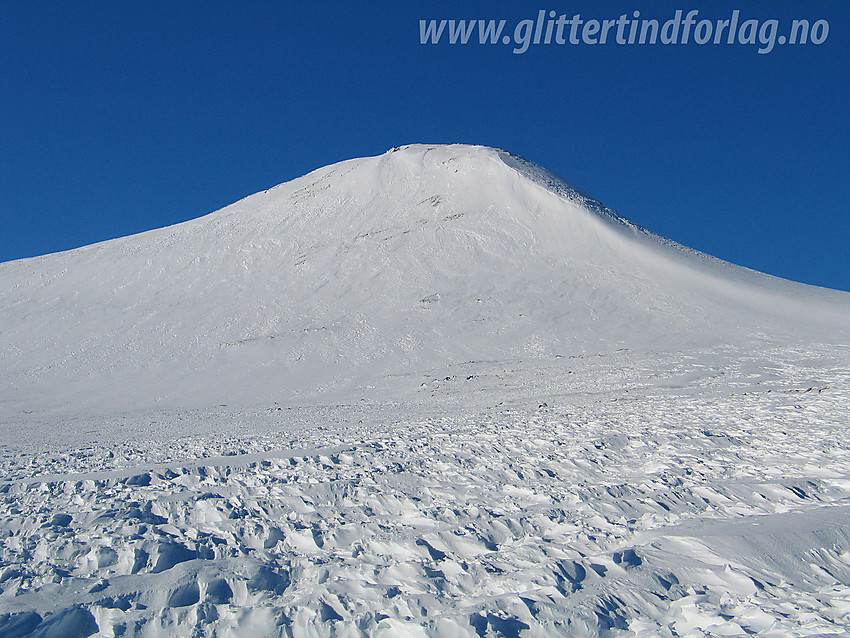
(359, 272)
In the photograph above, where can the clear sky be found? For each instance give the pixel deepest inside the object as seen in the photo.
(118, 117)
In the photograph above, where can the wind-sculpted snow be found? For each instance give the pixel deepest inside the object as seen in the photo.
(683, 496)
(438, 392)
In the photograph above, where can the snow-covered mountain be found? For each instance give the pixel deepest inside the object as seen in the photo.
(439, 392)
(368, 269)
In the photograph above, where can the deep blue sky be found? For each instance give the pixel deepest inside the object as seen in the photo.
(118, 117)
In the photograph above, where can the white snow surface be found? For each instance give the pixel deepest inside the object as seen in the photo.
(437, 392)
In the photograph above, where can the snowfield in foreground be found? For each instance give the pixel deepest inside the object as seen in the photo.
(634, 495)
(439, 392)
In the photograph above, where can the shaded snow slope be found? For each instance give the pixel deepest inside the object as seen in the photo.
(335, 281)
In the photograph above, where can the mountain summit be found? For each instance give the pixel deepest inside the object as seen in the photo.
(368, 270)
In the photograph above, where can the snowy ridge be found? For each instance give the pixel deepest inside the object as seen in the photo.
(437, 392)
(561, 187)
(572, 193)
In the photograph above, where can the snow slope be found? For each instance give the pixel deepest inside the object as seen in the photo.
(421, 257)
(436, 392)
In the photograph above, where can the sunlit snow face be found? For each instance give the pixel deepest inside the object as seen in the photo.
(418, 258)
